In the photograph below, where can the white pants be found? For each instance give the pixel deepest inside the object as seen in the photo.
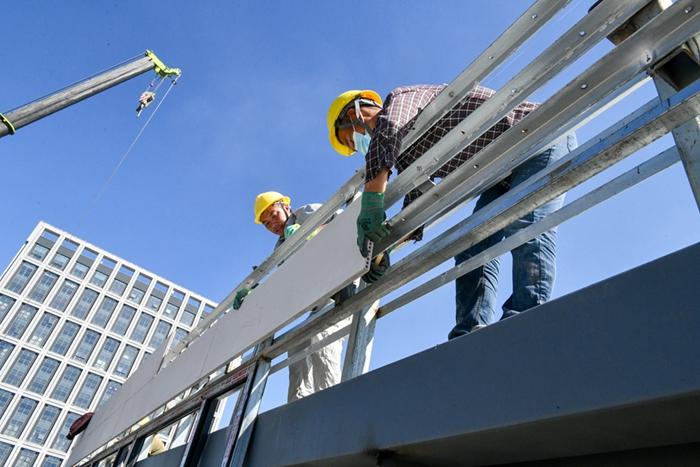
(318, 370)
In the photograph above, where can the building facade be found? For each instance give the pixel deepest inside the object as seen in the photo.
(75, 321)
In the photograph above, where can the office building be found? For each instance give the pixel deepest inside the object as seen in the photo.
(75, 321)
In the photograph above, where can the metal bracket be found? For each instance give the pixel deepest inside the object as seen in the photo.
(160, 68)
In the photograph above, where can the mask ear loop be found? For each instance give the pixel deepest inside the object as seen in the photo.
(359, 118)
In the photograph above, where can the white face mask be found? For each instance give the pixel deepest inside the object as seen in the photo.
(361, 141)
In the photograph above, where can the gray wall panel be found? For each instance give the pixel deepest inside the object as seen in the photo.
(289, 292)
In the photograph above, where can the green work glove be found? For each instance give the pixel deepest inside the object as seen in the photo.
(377, 268)
(240, 296)
(290, 229)
(370, 222)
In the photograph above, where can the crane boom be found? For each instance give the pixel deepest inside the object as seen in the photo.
(45, 106)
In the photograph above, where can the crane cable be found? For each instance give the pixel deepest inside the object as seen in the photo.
(106, 184)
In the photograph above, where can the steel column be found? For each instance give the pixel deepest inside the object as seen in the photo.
(252, 407)
(199, 432)
(687, 138)
(359, 350)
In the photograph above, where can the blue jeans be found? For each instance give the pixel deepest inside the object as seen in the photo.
(534, 262)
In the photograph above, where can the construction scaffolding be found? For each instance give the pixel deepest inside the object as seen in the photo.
(233, 350)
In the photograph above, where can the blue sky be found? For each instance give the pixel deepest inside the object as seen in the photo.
(248, 116)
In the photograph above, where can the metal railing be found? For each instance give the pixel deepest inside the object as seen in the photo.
(600, 86)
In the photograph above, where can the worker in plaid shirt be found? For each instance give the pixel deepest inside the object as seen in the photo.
(358, 121)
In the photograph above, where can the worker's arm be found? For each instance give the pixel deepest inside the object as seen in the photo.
(378, 183)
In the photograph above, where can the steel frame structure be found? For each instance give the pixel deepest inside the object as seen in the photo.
(600, 85)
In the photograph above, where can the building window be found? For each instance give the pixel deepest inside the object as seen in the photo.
(154, 303)
(24, 410)
(20, 322)
(84, 305)
(118, 287)
(126, 361)
(5, 398)
(104, 312)
(44, 424)
(70, 245)
(104, 358)
(21, 278)
(99, 278)
(5, 350)
(59, 261)
(87, 391)
(65, 338)
(136, 295)
(208, 309)
(39, 252)
(43, 286)
(170, 310)
(43, 329)
(64, 295)
(5, 451)
(80, 270)
(50, 236)
(121, 324)
(159, 334)
(142, 327)
(26, 458)
(144, 280)
(66, 383)
(187, 318)
(178, 295)
(60, 442)
(19, 369)
(111, 388)
(51, 461)
(86, 346)
(179, 335)
(5, 306)
(43, 376)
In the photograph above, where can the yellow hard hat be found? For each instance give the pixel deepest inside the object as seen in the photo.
(267, 199)
(337, 106)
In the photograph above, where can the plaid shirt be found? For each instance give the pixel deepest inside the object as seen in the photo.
(401, 107)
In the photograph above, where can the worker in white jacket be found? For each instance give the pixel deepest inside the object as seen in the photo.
(320, 369)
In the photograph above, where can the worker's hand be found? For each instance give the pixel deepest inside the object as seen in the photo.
(377, 268)
(240, 296)
(370, 221)
(290, 229)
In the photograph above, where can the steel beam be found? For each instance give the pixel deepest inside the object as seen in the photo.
(520, 31)
(575, 42)
(524, 27)
(656, 39)
(629, 179)
(648, 123)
